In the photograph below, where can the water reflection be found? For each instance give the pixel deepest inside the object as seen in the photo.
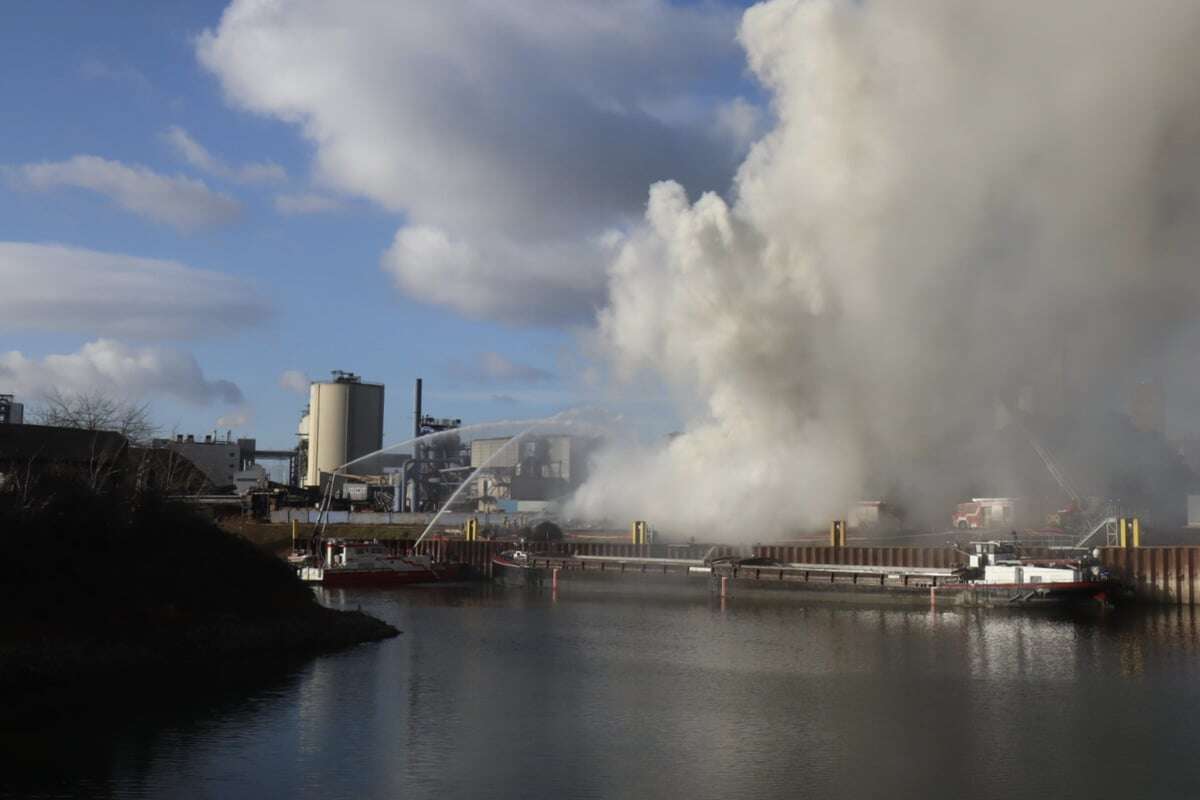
(612, 690)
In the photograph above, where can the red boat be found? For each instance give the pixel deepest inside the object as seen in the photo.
(512, 568)
(371, 563)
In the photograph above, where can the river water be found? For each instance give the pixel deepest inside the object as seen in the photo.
(614, 691)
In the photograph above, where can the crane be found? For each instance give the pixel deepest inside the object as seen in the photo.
(1100, 518)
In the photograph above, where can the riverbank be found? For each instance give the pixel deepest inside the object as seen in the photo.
(276, 537)
(102, 655)
(117, 585)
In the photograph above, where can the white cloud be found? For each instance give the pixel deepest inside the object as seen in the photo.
(59, 288)
(520, 284)
(293, 380)
(199, 157)
(184, 203)
(491, 367)
(238, 418)
(516, 131)
(305, 203)
(117, 369)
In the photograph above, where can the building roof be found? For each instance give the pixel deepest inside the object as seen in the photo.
(49, 444)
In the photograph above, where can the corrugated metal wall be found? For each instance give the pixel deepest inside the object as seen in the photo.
(480, 553)
(1157, 574)
(864, 556)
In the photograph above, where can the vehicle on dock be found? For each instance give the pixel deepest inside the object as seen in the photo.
(985, 512)
(347, 562)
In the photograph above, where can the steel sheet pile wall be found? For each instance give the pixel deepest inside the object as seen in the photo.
(480, 553)
(864, 556)
(1157, 574)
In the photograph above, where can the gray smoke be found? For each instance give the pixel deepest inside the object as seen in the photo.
(959, 205)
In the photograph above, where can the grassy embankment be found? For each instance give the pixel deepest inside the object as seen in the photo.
(114, 583)
(277, 537)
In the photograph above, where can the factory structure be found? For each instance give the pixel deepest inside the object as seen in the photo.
(529, 474)
(226, 462)
(343, 423)
(341, 440)
(339, 462)
(11, 412)
(340, 456)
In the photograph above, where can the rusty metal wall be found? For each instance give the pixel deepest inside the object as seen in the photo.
(864, 556)
(480, 553)
(1168, 575)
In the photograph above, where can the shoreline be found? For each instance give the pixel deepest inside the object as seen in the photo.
(104, 654)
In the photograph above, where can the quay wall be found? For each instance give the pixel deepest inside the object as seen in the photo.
(1169, 575)
(864, 556)
(480, 553)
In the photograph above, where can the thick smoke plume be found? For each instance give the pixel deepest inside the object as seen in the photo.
(960, 205)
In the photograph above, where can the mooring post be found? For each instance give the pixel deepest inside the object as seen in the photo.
(554, 579)
(724, 586)
(293, 536)
(932, 596)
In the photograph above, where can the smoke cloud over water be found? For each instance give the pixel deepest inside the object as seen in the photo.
(958, 205)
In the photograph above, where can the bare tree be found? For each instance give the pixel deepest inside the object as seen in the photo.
(96, 411)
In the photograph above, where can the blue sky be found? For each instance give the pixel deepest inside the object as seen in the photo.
(463, 171)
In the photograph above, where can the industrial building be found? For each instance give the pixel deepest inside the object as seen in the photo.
(344, 422)
(219, 459)
(537, 469)
(341, 432)
(11, 412)
(91, 453)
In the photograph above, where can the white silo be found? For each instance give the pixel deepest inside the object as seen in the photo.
(345, 422)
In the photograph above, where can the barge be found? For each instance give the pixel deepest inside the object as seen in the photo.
(516, 568)
(345, 562)
(996, 576)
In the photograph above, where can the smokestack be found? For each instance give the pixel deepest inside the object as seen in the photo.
(416, 501)
(417, 410)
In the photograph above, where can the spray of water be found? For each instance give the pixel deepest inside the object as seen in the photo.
(586, 421)
(503, 449)
(344, 469)
(497, 426)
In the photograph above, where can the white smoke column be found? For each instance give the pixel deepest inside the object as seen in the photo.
(957, 200)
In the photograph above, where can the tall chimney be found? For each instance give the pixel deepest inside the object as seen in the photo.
(416, 501)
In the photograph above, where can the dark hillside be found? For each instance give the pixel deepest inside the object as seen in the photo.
(116, 578)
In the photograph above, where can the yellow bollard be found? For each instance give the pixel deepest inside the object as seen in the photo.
(1130, 532)
(293, 535)
(637, 532)
(837, 533)
(471, 531)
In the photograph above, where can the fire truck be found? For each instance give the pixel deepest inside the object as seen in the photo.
(985, 512)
